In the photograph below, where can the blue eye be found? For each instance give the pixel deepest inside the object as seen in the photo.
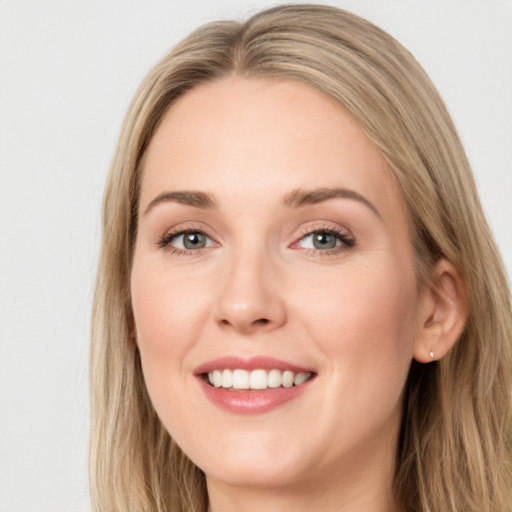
(193, 240)
(321, 240)
(325, 240)
(187, 240)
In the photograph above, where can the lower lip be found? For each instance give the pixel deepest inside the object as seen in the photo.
(251, 401)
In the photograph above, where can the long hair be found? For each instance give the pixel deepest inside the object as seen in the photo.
(454, 449)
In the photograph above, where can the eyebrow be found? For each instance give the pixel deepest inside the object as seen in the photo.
(294, 199)
(301, 197)
(189, 198)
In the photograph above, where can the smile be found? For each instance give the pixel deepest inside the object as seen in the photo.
(240, 379)
(253, 385)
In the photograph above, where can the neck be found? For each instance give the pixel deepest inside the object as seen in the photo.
(255, 500)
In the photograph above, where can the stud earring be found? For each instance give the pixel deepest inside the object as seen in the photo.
(431, 354)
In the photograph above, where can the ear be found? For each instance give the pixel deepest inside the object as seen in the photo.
(443, 313)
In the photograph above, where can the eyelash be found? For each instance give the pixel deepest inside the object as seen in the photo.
(347, 241)
(166, 240)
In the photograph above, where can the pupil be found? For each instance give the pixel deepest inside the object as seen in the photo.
(194, 241)
(324, 241)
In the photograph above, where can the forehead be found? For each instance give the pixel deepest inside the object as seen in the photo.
(263, 137)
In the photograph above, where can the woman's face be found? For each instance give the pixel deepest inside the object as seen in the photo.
(273, 247)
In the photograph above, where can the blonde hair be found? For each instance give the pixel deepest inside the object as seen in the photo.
(454, 450)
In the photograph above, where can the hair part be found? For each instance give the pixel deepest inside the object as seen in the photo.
(455, 449)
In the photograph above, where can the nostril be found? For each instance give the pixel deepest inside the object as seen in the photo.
(248, 325)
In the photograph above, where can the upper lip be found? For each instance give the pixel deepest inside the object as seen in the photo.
(248, 363)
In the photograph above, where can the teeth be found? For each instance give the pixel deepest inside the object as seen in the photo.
(300, 378)
(288, 379)
(227, 378)
(217, 378)
(240, 379)
(274, 379)
(256, 379)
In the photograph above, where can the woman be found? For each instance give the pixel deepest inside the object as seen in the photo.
(299, 302)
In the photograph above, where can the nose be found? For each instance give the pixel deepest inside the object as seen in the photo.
(251, 296)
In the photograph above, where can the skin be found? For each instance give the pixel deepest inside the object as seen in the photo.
(354, 314)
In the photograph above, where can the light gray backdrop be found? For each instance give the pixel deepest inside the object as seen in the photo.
(67, 72)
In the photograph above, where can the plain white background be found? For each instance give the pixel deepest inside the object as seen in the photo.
(67, 72)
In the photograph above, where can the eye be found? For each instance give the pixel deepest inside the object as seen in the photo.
(320, 240)
(327, 240)
(189, 240)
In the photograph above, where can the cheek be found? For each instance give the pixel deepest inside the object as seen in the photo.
(364, 318)
(363, 324)
(166, 310)
(169, 314)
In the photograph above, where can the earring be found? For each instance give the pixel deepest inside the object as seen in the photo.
(431, 354)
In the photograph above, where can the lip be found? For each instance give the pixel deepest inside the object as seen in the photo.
(250, 401)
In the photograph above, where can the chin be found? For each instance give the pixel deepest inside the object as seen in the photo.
(253, 473)
(252, 462)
